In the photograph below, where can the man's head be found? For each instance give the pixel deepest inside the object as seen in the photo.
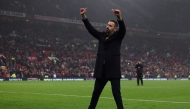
(111, 27)
(138, 62)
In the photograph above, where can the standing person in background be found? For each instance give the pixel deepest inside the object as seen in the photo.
(139, 72)
(107, 67)
(175, 77)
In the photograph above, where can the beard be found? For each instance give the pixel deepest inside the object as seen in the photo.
(107, 31)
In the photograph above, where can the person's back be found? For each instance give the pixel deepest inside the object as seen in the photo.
(13, 75)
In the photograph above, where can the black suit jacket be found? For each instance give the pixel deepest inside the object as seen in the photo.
(139, 69)
(108, 50)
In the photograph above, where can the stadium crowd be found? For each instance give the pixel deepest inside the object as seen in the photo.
(37, 48)
(27, 50)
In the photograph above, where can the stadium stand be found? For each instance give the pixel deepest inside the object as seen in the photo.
(34, 48)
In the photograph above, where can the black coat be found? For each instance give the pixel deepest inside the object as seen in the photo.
(139, 68)
(108, 50)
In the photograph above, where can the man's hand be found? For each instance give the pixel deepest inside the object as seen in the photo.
(117, 13)
(82, 12)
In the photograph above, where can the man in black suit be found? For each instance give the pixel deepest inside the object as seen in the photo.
(107, 67)
(139, 72)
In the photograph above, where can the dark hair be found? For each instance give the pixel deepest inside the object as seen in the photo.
(115, 22)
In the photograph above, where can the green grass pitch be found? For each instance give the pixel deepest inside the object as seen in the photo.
(76, 95)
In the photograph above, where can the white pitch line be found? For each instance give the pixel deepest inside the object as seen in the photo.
(174, 102)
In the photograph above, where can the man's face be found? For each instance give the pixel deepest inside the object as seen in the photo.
(110, 27)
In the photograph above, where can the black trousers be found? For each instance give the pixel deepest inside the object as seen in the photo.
(99, 86)
(139, 77)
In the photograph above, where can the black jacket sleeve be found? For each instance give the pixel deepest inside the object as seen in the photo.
(122, 29)
(91, 29)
